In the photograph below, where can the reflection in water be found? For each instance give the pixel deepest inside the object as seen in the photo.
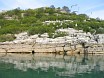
(71, 66)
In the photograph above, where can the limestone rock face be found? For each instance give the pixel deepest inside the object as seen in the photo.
(45, 35)
(22, 36)
(41, 43)
(73, 37)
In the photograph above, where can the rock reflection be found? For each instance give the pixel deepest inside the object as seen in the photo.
(69, 66)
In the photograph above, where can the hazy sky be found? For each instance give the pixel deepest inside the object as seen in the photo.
(94, 8)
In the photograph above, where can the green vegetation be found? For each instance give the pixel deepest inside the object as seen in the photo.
(33, 21)
(40, 30)
(60, 34)
(7, 37)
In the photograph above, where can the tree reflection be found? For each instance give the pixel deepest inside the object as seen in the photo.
(69, 65)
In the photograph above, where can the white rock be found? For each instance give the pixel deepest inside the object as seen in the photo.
(45, 35)
(22, 36)
(33, 37)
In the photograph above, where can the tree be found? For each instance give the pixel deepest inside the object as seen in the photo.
(1, 16)
(52, 6)
(50, 10)
(17, 11)
(65, 8)
(98, 19)
(100, 30)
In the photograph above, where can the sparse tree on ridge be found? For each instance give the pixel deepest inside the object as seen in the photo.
(65, 8)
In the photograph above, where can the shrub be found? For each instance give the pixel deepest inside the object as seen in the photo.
(40, 30)
(60, 34)
(12, 29)
(8, 37)
(51, 35)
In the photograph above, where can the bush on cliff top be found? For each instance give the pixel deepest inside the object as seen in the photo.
(40, 30)
(8, 37)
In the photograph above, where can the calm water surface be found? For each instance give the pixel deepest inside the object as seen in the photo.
(51, 66)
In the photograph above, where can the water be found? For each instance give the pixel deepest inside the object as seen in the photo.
(51, 66)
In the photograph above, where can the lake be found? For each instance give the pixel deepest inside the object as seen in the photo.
(51, 66)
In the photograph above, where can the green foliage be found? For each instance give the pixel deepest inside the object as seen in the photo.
(60, 34)
(28, 20)
(40, 30)
(100, 30)
(50, 10)
(8, 37)
(12, 30)
(65, 8)
(51, 35)
(1, 16)
(31, 20)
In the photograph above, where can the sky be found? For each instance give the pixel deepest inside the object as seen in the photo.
(93, 8)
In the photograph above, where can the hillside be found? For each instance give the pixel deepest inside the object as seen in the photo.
(45, 20)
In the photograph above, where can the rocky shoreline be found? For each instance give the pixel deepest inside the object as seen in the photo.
(73, 43)
(39, 48)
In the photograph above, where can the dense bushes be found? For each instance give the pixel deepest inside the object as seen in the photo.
(31, 20)
(60, 34)
(12, 30)
(40, 30)
(57, 34)
(8, 37)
